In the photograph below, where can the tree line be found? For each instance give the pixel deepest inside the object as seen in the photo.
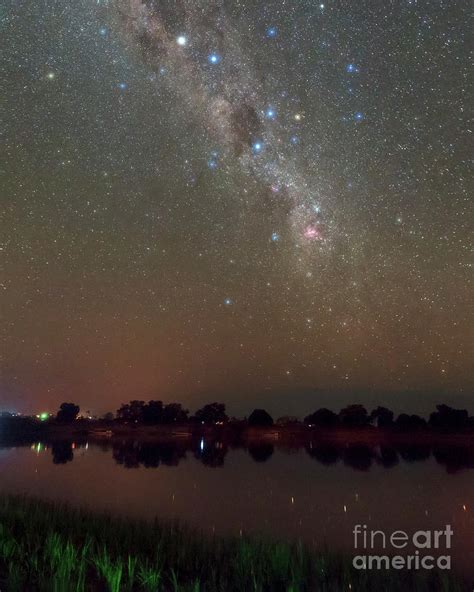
(352, 416)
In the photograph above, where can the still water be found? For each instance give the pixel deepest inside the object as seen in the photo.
(316, 493)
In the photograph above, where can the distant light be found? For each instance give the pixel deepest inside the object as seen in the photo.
(351, 68)
(214, 58)
(201, 445)
(43, 416)
(212, 164)
(298, 117)
(358, 116)
(275, 237)
(271, 32)
(321, 6)
(228, 301)
(122, 85)
(294, 140)
(103, 31)
(50, 75)
(257, 147)
(181, 40)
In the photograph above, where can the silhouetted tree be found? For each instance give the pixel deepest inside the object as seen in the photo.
(447, 417)
(68, 412)
(174, 413)
(132, 412)
(324, 418)
(153, 413)
(382, 417)
(259, 417)
(354, 416)
(211, 413)
(287, 420)
(109, 416)
(409, 422)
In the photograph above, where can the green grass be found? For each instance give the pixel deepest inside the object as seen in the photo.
(51, 548)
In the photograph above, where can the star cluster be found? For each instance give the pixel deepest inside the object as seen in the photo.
(271, 195)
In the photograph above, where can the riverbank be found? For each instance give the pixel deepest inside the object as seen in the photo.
(24, 430)
(48, 547)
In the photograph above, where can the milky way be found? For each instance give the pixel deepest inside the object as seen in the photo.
(260, 202)
(216, 79)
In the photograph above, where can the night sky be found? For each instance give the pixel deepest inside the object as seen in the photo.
(242, 200)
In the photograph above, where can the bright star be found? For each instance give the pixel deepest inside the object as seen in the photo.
(275, 237)
(181, 40)
(228, 301)
(214, 58)
(51, 75)
(257, 147)
(358, 116)
(272, 32)
(294, 140)
(270, 113)
(103, 31)
(351, 68)
(122, 85)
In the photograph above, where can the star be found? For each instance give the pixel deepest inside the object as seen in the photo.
(270, 113)
(182, 40)
(271, 32)
(214, 58)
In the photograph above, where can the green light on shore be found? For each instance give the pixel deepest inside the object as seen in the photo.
(43, 416)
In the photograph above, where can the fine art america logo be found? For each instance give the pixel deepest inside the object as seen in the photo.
(421, 550)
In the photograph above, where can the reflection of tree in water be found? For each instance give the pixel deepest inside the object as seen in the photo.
(132, 455)
(414, 452)
(323, 453)
(62, 452)
(261, 452)
(454, 458)
(358, 457)
(387, 457)
(211, 454)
